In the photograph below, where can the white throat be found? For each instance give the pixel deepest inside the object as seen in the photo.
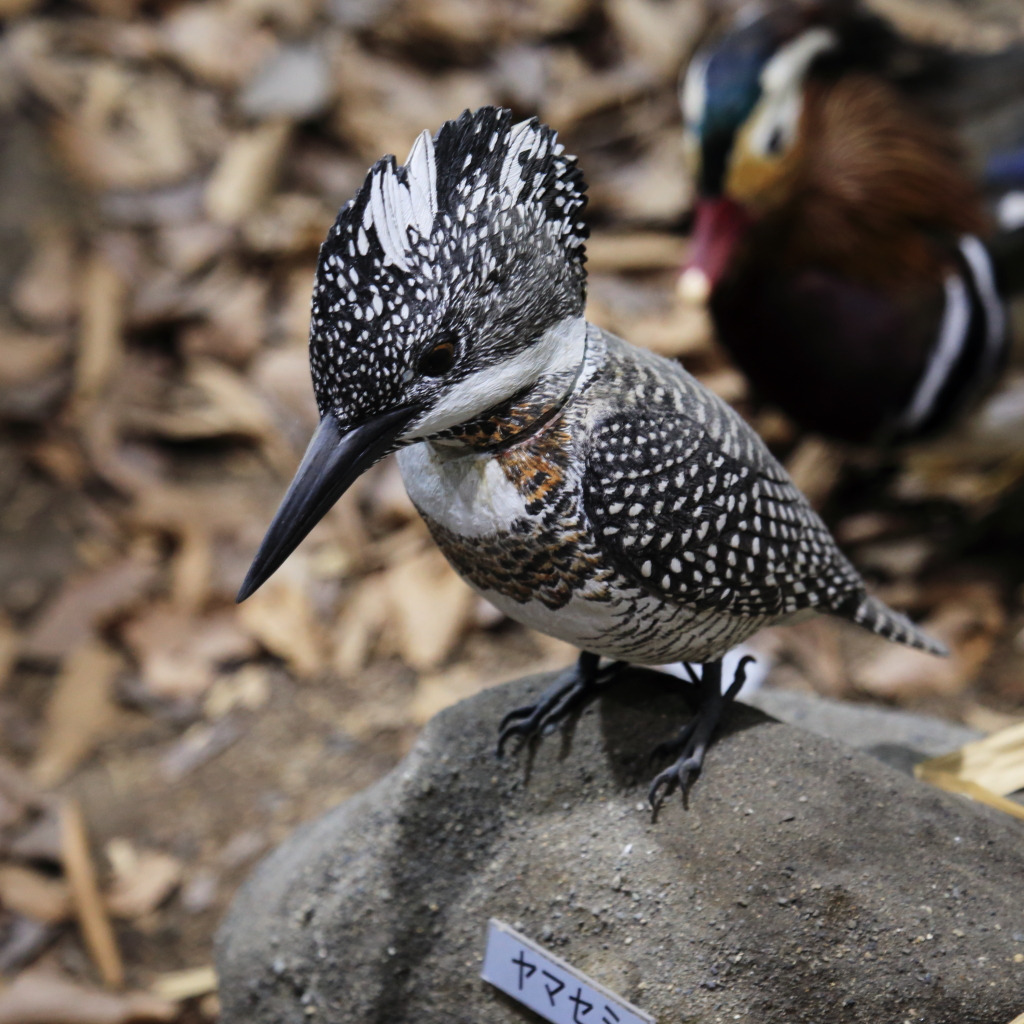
(560, 349)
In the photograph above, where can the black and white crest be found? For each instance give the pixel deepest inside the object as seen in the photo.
(477, 238)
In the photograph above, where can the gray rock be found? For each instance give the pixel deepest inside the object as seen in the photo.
(806, 881)
(864, 726)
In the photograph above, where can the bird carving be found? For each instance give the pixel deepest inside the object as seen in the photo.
(589, 489)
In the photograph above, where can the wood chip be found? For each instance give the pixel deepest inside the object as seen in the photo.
(85, 895)
(968, 624)
(658, 35)
(637, 250)
(100, 340)
(955, 784)
(247, 172)
(200, 744)
(143, 879)
(188, 984)
(134, 129)
(281, 617)
(26, 359)
(180, 655)
(46, 291)
(217, 42)
(436, 691)
(360, 624)
(248, 689)
(949, 25)
(815, 466)
(86, 602)
(43, 997)
(995, 762)
(653, 188)
(80, 713)
(33, 894)
(432, 607)
(10, 645)
(385, 104)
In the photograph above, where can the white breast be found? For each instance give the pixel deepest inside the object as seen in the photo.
(467, 493)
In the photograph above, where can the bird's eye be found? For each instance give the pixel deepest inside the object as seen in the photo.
(775, 142)
(439, 360)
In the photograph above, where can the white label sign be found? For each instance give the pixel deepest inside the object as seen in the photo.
(548, 985)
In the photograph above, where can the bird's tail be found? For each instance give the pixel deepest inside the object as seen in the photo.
(879, 618)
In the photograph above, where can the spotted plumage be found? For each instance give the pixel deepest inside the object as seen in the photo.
(591, 490)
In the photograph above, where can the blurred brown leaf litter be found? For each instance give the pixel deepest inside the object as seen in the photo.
(167, 172)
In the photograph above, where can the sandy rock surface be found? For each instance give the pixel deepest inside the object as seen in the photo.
(806, 882)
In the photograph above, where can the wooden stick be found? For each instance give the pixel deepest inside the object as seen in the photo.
(85, 895)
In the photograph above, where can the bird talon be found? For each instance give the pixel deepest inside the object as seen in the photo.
(523, 712)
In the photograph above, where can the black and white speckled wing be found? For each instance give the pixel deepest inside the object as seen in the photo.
(685, 500)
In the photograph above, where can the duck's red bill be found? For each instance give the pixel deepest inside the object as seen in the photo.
(718, 227)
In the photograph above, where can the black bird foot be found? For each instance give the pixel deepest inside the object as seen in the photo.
(694, 738)
(572, 691)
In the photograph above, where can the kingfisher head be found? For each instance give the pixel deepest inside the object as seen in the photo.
(742, 99)
(447, 286)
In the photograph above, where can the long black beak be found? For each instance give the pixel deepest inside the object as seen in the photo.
(332, 463)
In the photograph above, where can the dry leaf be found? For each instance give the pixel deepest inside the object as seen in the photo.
(43, 997)
(143, 879)
(384, 104)
(80, 713)
(217, 42)
(187, 248)
(967, 624)
(571, 89)
(200, 744)
(100, 342)
(35, 895)
(177, 986)
(25, 359)
(432, 607)
(656, 187)
(191, 570)
(814, 466)
(85, 895)
(134, 129)
(211, 401)
(949, 25)
(896, 558)
(17, 8)
(180, 655)
(10, 644)
(248, 688)
(954, 784)
(45, 293)
(247, 172)
(361, 623)
(728, 383)
(658, 35)
(234, 307)
(281, 376)
(288, 224)
(437, 690)
(995, 762)
(281, 617)
(612, 253)
(86, 602)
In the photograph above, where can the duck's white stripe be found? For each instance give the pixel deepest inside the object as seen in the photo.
(956, 322)
(980, 263)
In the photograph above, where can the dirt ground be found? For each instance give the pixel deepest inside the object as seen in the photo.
(167, 171)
